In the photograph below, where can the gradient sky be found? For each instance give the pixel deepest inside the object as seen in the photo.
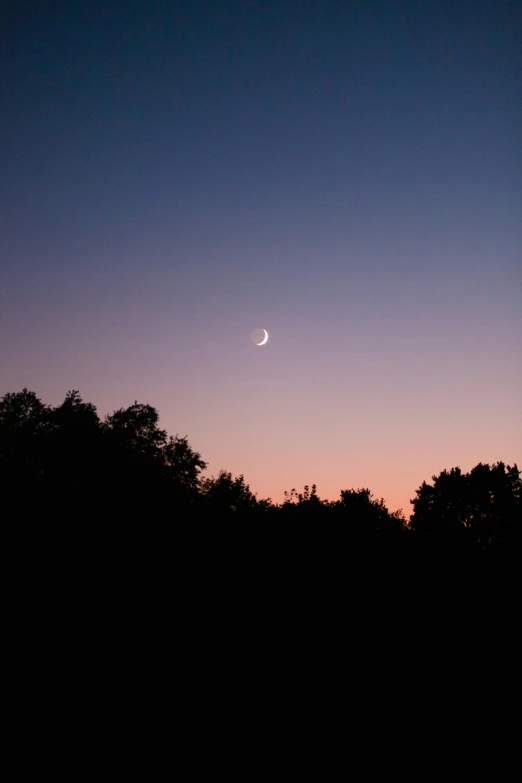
(345, 174)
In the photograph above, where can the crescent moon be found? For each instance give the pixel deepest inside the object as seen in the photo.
(263, 341)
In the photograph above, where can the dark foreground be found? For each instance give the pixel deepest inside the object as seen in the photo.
(216, 652)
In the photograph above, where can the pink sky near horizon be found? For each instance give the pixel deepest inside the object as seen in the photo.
(384, 413)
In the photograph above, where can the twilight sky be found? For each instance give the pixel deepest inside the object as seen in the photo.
(346, 175)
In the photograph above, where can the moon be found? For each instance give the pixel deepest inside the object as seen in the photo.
(259, 336)
(265, 338)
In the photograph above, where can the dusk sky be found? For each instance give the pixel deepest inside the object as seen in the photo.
(346, 175)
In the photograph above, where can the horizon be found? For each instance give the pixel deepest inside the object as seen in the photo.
(210, 472)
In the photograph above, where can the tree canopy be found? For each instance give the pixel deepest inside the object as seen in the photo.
(126, 469)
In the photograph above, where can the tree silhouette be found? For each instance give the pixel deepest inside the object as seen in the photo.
(74, 415)
(136, 428)
(481, 507)
(182, 464)
(74, 448)
(22, 411)
(495, 503)
(24, 424)
(228, 494)
(361, 514)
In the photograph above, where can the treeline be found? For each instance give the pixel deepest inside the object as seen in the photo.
(157, 618)
(65, 462)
